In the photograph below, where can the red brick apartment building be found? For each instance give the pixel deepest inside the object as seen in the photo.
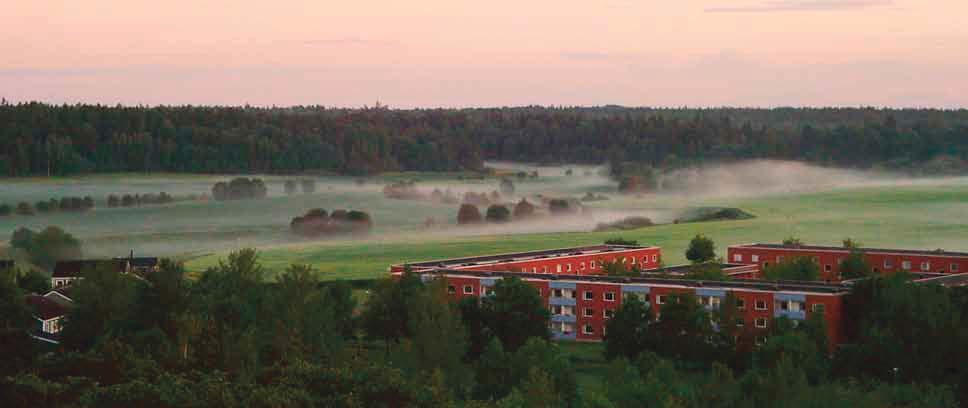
(583, 300)
(828, 258)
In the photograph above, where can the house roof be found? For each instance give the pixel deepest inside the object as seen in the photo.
(743, 284)
(925, 252)
(524, 256)
(139, 262)
(44, 308)
(69, 269)
(63, 292)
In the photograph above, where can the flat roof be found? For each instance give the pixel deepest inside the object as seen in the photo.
(927, 252)
(524, 256)
(749, 284)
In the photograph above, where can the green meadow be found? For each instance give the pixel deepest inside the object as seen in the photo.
(912, 216)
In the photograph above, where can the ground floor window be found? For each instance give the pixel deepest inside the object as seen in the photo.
(588, 329)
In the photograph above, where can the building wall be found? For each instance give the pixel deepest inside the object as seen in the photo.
(749, 333)
(829, 260)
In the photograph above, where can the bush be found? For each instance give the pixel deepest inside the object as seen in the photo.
(240, 188)
(507, 186)
(523, 209)
(113, 201)
(308, 186)
(468, 214)
(316, 222)
(621, 241)
(628, 223)
(24, 208)
(498, 214)
(701, 249)
(560, 206)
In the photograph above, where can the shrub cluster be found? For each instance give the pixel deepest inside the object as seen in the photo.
(240, 188)
(317, 222)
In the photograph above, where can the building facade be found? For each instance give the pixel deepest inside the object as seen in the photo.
(828, 258)
(582, 303)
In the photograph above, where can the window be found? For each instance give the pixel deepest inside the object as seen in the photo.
(609, 296)
(563, 327)
(562, 310)
(589, 295)
(592, 263)
(489, 291)
(587, 329)
(468, 289)
(660, 299)
(760, 323)
(558, 293)
(760, 304)
(740, 304)
(451, 289)
(740, 322)
(827, 268)
(633, 260)
(558, 268)
(738, 257)
(954, 267)
(544, 269)
(589, 312)
(925, 266)
(818, 308)
(534, 270)
(755, 258)
(581, 266)
(760, 340)
(624, 260)
(906, 265)
(569, 267)
(608, 313)
(888, 264)
(655, 258)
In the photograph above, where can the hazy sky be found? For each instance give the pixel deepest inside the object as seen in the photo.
(448, 53)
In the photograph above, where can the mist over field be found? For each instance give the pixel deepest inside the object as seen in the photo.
(195, 224)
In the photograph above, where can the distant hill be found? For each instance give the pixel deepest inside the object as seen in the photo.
(40, 139)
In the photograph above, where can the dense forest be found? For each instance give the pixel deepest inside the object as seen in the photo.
(40, 139)
(230, 339)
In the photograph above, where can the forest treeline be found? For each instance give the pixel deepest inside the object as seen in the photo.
(41, 139)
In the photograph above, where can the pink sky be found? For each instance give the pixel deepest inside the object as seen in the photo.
(455, 53)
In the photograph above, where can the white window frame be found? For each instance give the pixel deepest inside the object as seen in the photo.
(605, 296)
(588, 312)
(926, 266)
(954, 267)
(818, 308)
(655, 258)
(588, 295)
(756, 305)
(558, 268)
(468, 289)
(754, 258)
(660, 299)
(569, 267)
(740, 304)
(592, 265)
(737, 257)
(757, 323)
(906, 265)
(608, 313)
(587, 329)
(451, 289)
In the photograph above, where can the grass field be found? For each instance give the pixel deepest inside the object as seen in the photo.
(914, 216)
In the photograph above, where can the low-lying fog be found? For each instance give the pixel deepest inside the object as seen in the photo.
(198, 225)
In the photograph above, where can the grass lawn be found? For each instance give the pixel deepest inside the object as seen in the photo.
(908, 217)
